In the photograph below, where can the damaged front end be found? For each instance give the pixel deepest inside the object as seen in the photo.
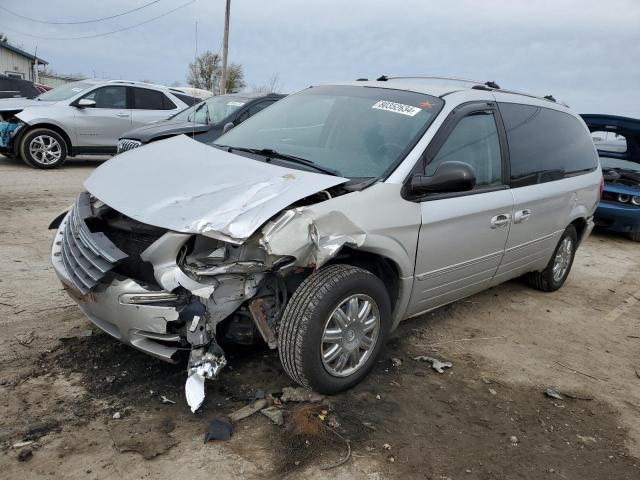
(165, 292)
(162, 291)
(10, 127)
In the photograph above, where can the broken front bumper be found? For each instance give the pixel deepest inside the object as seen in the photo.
(123, 308)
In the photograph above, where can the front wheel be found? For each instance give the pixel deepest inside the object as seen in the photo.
(333, 328)
(43, 148)
(555, 274)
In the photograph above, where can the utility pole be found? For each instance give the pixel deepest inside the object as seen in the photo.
(225, 49)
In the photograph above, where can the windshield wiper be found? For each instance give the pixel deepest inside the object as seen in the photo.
(270, 153)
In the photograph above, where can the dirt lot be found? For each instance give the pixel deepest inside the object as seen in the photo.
(62, 381)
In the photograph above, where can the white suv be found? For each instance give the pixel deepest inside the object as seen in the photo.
(82, 118)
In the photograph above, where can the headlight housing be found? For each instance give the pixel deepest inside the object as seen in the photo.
(636, 200)
(624, 198)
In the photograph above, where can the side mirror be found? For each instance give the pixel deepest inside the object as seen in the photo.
(449, 177)
(85, 103)
(227, 126)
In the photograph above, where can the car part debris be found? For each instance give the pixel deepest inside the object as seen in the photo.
(248, 410)
(205, 361)
(219, 429)
(22, 444)
(550, 392)
(274, 414)
(164, 399)
(299, 394)
(116, 416)
(436, 364)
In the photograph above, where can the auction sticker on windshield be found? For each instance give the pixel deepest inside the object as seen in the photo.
(396, 108)
(235, 104)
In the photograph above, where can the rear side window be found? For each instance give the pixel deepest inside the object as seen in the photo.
(188, 99)
(545, 145)
(145, 99)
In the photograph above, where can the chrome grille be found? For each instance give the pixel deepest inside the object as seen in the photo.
(87, 256)
(126, 144)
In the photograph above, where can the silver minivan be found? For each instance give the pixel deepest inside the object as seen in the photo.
(320, 223)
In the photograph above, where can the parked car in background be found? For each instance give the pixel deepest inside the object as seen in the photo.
(319, 224)
(17, 88)
(85, 117)
(204, 121)
(42, 87)
(617, 140)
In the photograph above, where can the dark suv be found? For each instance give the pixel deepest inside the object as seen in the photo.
(205, 121)
(17, 88)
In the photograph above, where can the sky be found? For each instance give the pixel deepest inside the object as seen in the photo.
(584, 52)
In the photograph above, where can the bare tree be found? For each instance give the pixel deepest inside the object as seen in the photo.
(205, 72)
(273, 85)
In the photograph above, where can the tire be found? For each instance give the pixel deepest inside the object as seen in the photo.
(546, 280)
(311, 312)
(43, 148)
(635, 237)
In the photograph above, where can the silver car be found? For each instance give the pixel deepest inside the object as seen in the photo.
(319, 224)
(82, 118)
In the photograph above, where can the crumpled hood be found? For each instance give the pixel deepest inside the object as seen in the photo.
(13, 104)
(187, 186)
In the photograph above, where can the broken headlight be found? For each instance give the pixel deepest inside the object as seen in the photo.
(207, 257)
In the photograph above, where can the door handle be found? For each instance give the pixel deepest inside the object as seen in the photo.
(521, 216)
(501, 220)
(122, 114)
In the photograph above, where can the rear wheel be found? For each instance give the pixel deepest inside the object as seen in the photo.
(555, 274)
(333, 328)
(43, 148)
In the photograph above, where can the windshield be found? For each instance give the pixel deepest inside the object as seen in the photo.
(211, 111)
(358, 132)
(64, 92)
(609, 163)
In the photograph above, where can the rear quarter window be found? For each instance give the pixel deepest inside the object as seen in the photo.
(545, 144)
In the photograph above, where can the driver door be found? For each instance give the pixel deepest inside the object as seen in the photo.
(100, 126)
(463, 235)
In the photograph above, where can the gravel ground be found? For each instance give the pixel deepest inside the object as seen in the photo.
(62, 381)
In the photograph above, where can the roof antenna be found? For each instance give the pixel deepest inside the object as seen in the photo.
(492, 84)
(550, 98)
(382, 78)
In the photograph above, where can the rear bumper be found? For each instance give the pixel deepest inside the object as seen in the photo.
(617, 217)
(125, 310)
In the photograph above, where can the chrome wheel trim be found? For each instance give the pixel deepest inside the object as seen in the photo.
(562, 259)
(350, 335)
(45, 149)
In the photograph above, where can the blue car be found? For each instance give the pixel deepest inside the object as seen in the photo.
(617, 140)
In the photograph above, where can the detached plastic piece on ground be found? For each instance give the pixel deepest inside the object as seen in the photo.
(219, 429)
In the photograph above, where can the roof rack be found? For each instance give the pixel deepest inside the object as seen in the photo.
(385, 78)
(477, 85)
